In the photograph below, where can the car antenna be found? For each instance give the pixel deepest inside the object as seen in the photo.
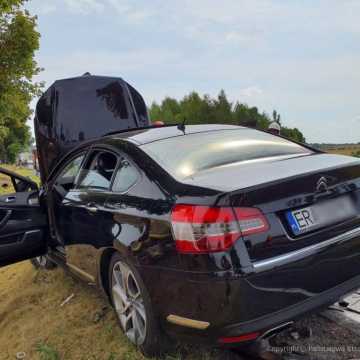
(181, 126)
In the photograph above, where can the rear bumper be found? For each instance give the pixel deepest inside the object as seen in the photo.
(228, 322)
(293, 312)
(262, 296)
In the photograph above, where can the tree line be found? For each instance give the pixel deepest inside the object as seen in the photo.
(19, 39)
(196, 109)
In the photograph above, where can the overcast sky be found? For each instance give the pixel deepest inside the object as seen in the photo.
(299, 57)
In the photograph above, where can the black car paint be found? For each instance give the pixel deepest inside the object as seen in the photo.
(23, 227)
(63, 112)
(223, 288)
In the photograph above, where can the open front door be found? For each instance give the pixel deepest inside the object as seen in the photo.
(23, 224)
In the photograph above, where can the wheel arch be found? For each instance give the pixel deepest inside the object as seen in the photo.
(104, 263)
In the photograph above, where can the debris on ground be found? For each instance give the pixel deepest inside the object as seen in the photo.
(67, 300)
(100, 314)
(305, 332)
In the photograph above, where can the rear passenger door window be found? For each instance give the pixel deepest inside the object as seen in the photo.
(98, 171)
(126, 176)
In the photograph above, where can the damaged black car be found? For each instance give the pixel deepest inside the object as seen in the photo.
(210, 233)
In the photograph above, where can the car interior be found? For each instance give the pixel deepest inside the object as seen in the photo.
(98, 171)
(17, 190)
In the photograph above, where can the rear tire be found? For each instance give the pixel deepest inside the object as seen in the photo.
(43, 262)
(133, 307)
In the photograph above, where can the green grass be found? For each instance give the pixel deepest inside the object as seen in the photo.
(47, 352)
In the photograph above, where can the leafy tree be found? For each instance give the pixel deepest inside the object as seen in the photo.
(171, 109)
(294, 134)
(156, 112)
(222, 108)
(276, 117)
(19, 40)
(206, 110)
(194, 109)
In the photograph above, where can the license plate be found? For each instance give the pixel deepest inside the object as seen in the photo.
(319, 215)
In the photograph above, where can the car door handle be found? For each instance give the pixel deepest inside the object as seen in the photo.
(10, 199)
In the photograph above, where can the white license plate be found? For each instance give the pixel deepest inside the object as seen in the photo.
(319, 215)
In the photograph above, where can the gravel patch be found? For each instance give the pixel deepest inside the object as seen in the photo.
(317, 338)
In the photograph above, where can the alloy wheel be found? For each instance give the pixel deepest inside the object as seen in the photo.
(129, 303)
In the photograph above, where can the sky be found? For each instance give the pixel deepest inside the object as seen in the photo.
(300, 57)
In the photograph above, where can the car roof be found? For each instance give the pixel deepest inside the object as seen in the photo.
(147, 135)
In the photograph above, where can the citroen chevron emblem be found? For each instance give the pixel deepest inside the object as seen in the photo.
(322, 185)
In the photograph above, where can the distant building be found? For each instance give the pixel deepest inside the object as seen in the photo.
(26, 159)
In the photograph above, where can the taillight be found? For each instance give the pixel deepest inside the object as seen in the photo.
(204, 229)
(251, 221)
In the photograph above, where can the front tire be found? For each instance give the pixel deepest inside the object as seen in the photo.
(133, 307)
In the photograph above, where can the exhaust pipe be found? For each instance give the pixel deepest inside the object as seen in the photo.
(276, 330)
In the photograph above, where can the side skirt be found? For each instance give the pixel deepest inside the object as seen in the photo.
(59, 258)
